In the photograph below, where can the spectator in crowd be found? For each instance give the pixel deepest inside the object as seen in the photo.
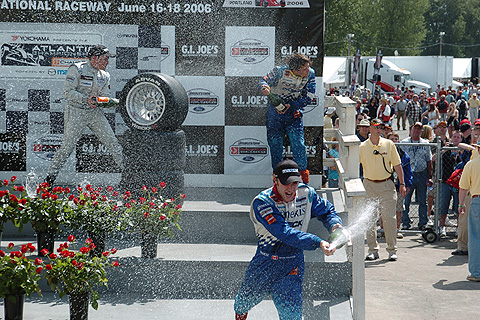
(332, 171)
(466, 130)
(452, 116)
(372, 107)
(442, 92)
(470, 180)
(401, 115)
(461, 107)
(440, 131)
(427, 132)
(431, 115)
(450, 97)
(450, 160)
(442, 107)
(327, 120)
(421, 162)
(379, 159)
(407, 177)
(363, 130)
(383, 111)
(473, 107)
(414, 111)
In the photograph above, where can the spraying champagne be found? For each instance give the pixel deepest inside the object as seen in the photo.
(339, 237)
(277, 102)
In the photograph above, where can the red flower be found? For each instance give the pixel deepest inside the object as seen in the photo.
(11, 245)
(53, 256)
(39, 269)
(71, 197)
(74, 262)
(24, 248)
(94, 203)
(65, 253)
(115, 193)
(178, 206)
(48, 267)
(5, 182)
(146, 214)
(151, 205)
(71, 238)
(162, 184)
(67, 190)
(38, 261)
(109, 188)
(115, 208)
(13, 178)
(2, 193)
(163, 217)
(44, 196)
(154, 189)
(182, 196)
(82, 202)
(31, 247)
(89, 187)
(94, 197)
(128, 194)
(18, 254)
(105, 253)
(128, 205)
(2, 253)
(79, 189)
(80, 266)
(113, 250)
(115, 264)
(142, 200)
(75, 200)
(71, 254)
(84, 250)
(89, 241)
(144, 188)
(54, 197)
(23, 201)
(164, 204)
(104, 198)
(13, 198)
(19, 188)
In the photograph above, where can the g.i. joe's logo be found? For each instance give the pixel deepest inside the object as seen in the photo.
(250, 51)
(248, 150)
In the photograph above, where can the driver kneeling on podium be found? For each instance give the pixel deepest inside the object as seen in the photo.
(280, 216)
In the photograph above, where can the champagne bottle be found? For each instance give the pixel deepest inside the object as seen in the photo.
(277, 102)
(339, 237)
(106, 102)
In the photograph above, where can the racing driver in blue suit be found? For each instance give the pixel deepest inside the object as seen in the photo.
(295, 85)
(281, 215)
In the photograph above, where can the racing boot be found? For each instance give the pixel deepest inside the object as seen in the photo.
(241, 316)
(305, 176)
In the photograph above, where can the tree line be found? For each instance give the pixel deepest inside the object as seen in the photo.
(403, 27)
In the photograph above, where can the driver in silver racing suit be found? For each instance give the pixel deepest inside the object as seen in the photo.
(85, 81)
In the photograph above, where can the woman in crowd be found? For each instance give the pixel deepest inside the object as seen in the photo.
(431, 116)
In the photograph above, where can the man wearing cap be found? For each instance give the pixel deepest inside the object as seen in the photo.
(473, 105)
(421, 163)
(470, 180)
(379, 158)
(280, 216)
(466, 130)
(401, 108)
(85, 81)
(295, 84)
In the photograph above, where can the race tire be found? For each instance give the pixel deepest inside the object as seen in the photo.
(174, 182)
(154, 151)
(153, 101)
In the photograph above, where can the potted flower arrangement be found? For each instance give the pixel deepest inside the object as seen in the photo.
(46, 212)
(97, 211)
(10, 204)
(153, 216)
(19, 276)
(77, 274)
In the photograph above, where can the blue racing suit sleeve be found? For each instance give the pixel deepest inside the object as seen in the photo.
(271, 79)
(324, 211)
(275, 223)
(307, 93)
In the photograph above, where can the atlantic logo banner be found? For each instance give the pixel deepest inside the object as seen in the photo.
(266, 4)
(45, 147)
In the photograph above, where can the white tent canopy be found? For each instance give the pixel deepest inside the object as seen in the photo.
(334, 71)
(462, 68)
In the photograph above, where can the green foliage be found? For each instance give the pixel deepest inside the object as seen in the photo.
(77, 272)
(151, 213)
(19, 274)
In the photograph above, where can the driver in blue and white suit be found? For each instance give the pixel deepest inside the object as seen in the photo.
(295, 85)
(281, 216)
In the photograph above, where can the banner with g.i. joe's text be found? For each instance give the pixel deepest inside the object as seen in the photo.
(218, 50)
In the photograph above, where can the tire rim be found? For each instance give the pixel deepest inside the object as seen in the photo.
(145, 103)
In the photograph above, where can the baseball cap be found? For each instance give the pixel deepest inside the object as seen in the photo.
(465, 121)
(330, 110)
(477, 122)
(442, 123)
(417, 124)
(99, 50)
(376, 122)
(464, 127)
(287, 171)
(364, 123)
